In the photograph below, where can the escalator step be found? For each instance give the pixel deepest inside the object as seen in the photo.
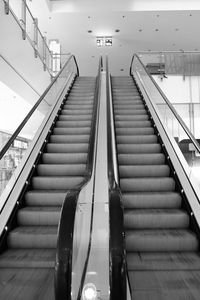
(132, 107)
(161, 240)
(141, 159)
(64, 158)
(132, 124)
(28, 258)
(39, 216)
(65, 121)
(61, 170)
(81, 106)
(147, 184)
(137, 139)
(76, 112)
(56, 182)
(69, 139)
(138, 148)
(134, 131)
(124, 102)
(152, 200)
(130, 112)
(67, 148)
(45, 197)
(164, 261)
(155, 219)
(129, 171)
(71, 131)
(128, 120)
(79, 102)
(28, 237)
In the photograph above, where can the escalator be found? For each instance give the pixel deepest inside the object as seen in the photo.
(27, 259)
(162, 246)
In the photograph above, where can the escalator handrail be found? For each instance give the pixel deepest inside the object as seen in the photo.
(63, 266)
(23, 123)
(118, 270)
(179, 119)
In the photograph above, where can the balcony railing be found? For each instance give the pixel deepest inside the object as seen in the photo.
(31, 32)
(185, 63)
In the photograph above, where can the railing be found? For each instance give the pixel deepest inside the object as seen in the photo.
(185, 63)
(118, 271)
(34, 119)
(30, 31)
(66, 286)
(185, 140)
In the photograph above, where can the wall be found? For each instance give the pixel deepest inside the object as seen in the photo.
(179, 90)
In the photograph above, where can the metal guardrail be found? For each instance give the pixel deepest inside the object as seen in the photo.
(44, 53)
(185, 63)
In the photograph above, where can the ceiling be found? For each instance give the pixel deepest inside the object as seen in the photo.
(139, 28)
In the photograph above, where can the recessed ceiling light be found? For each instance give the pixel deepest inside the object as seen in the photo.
(89, 31)
(117, 30)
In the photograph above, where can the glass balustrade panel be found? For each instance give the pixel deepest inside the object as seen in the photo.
(172, 124)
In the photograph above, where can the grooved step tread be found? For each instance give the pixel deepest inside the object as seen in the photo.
(61, 169)
(161, 240)
(141, 159)
(27, 283)
(164, 261)
(67, 148)
(64, 158)
(155, 219)
(152, 200)
(45, 197)
(39, 216)
(56, 182)
(138, 148)
(28, 237)
(130, 171)
(28, 258)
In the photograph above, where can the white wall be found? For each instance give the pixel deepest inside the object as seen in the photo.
(180, 90)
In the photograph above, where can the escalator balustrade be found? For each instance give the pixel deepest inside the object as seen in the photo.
(162, 249)
(27, 264)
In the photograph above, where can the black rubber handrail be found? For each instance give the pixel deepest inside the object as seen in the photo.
(179, 119)
(117, 256)
(64, 255)
(23, 123)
